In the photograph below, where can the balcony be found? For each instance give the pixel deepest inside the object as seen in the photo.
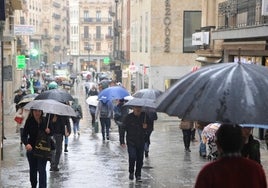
(57, 26)
(56, 48)
(56, 16)
(241, 20)
(98, 37)
(55, 4)
(57, 37)
(86, 37)
(109, 37)
(96, 20)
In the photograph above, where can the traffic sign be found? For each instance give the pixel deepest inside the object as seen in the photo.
(21, 61)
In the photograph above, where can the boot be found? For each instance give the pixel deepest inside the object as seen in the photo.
(65, 148)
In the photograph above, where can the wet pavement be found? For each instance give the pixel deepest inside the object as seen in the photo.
(91, 162)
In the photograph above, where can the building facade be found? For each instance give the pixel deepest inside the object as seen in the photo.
(160, 43)
(91, 34)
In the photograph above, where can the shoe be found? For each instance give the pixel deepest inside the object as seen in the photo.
(138, 178)
(65, 150)
(55, 169)
(203, 155)
(187, 150)
(107, 138)
(78, 133)
(131, 176)
(146, 153)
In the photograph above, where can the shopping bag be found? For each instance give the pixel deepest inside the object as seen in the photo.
(18, 119)
(96, 127)
(42, 148)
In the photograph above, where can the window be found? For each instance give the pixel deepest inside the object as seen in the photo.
(86, 33)
(86, 14)
(98, 46)
(191, 22)
(98, 15)
(98, 32)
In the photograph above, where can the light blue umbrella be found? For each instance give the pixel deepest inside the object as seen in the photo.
(255, 126)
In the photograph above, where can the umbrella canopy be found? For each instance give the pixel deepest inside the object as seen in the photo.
(56, 94)
(27, 98)
(92, 100)
(112, 93)
(226, 92)
(148, 94)
(51, 106)
(147, 103)
(209, 131)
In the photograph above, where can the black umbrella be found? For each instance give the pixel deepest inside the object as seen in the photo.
(56, 94)
(148, 94)
(226, 92)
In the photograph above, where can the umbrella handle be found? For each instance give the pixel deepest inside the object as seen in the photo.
(48, 120)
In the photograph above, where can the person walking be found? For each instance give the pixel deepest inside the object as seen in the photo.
(35, 123)
(92, 111)
(202, 146)
(104, 110)
(231, 169)
(152, 117)
(251, 147)
(120, 113)
(93, 91)
(23, 114)
(79, 115)
(136, 124)
(60, 127)
(186, 127)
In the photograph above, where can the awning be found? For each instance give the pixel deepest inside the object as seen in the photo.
(203, 59)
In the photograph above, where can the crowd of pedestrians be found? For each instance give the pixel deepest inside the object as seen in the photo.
(135, 126)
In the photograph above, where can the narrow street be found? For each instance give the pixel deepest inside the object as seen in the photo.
(91, 162)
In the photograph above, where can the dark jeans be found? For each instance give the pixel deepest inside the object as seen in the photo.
(121, 130)
(187, 138)
(58, 138)
(37, 166)
(93, 118)
(105, 126)
(135, 156)
(147, 141)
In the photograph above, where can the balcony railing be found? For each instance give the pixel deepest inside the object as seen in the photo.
(234, 14)
(96, 20)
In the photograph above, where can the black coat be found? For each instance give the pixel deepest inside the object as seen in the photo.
(251, 150)
(134, 129)
(31, 130)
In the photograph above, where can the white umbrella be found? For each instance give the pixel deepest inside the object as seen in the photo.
(92, 100)
(51, 106)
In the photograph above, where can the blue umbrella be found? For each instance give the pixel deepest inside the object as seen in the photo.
(255, 126)
(112, 93)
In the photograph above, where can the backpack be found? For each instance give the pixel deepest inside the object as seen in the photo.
(104, 111)
(117, 113)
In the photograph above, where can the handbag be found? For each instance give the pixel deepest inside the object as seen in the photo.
(96, 127)
(18, 119)
(43, 146)
(184, 125)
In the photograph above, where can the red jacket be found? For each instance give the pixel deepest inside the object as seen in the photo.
(232, 172)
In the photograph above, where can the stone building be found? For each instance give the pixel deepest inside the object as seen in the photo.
(237, 30)
(91, 34)
(160, 41)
